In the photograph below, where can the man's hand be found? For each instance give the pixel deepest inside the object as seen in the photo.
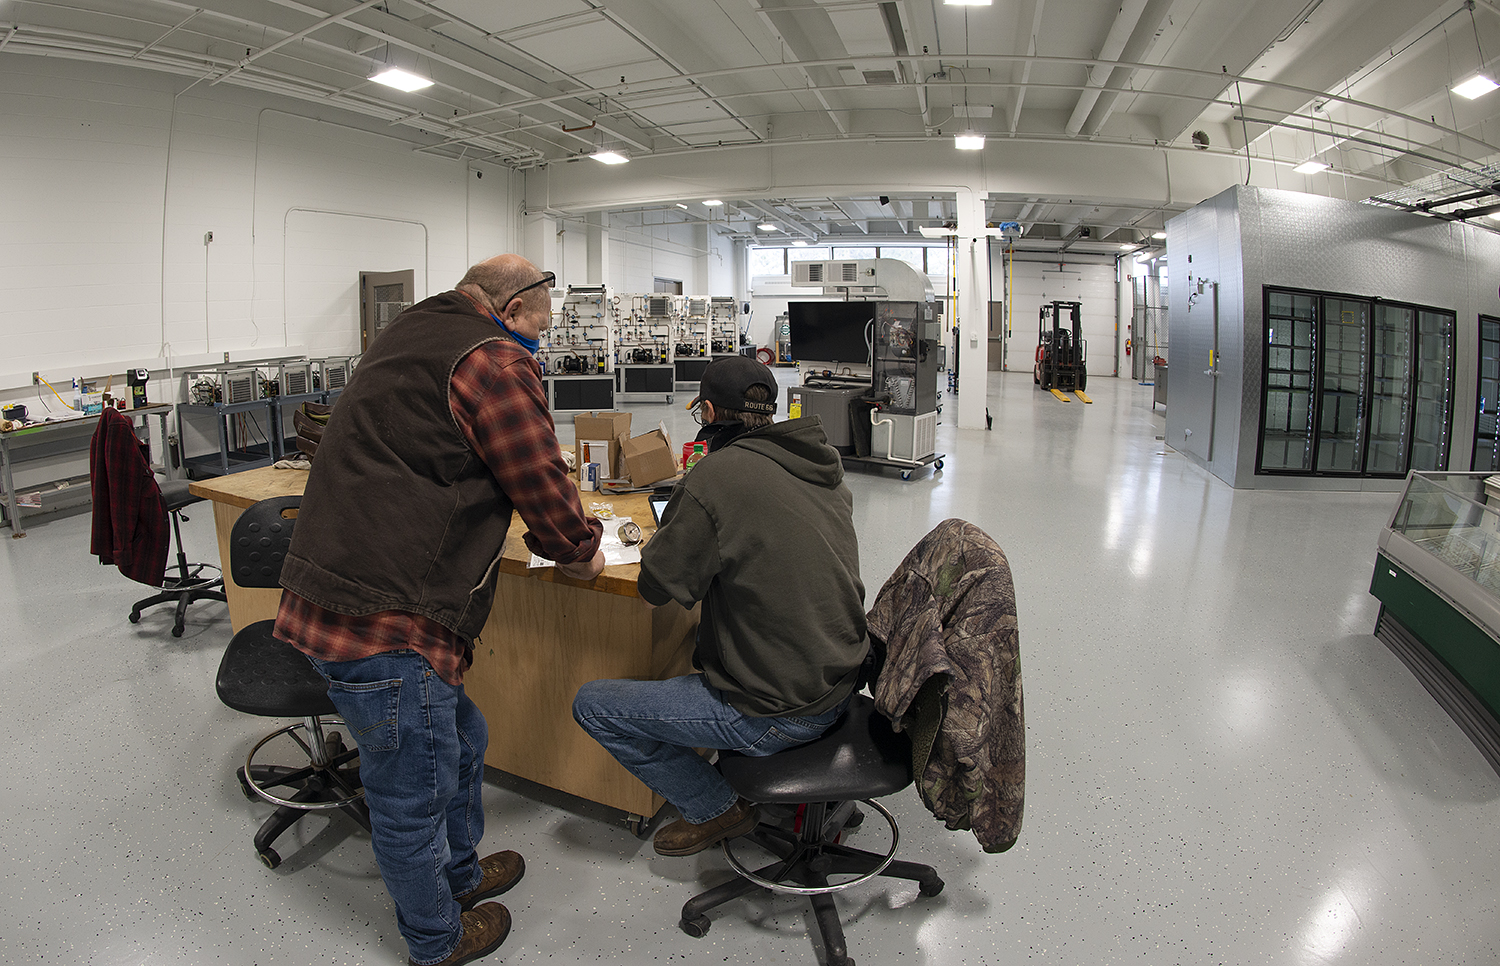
(584, 569)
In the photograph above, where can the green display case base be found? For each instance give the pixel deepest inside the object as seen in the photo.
(1446, 688)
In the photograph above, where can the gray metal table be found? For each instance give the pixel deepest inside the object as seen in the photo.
(40, 440)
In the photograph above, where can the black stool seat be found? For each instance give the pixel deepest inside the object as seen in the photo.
(174, 493)
(264, 676)
(859, 758)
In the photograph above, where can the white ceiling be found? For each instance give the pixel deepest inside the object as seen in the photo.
(1362, 85)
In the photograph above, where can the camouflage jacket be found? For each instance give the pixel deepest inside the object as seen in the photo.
(952, 679)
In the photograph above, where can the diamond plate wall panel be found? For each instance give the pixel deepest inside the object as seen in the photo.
(1295, 240)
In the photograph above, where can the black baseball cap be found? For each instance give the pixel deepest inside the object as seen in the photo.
(726, 379)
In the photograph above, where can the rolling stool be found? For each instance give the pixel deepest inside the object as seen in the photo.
(193, 581)
(859, 759)
(264, 676)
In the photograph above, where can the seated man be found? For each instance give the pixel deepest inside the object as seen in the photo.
(762, 532)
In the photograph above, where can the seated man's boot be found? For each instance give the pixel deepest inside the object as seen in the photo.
(684, 838)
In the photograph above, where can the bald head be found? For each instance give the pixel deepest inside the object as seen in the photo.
(498, 283)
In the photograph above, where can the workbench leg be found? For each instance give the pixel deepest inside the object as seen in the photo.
(12, 507)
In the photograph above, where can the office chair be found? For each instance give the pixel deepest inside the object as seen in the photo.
(126, 530)
(264, 676)
(859, 759)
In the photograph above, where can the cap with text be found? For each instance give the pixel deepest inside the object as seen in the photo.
(726, 380)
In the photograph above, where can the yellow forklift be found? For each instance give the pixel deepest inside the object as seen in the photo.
(1061, 352)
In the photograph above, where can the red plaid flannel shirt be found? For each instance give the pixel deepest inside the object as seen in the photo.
(498, 402)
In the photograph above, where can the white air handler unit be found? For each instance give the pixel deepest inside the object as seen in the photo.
(577, 353)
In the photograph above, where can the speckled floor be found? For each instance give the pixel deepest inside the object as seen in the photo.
(1224, 765)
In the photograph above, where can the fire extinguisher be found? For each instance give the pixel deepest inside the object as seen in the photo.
(1127, 347)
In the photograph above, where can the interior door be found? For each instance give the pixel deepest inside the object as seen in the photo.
(382, 297)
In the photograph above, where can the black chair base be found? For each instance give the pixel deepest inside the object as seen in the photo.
(804, 863)
(175, 591)
(192, 581)
(334, 785)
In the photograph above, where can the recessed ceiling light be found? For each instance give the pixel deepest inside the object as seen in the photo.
(1158, 235)
(1475, 86)
(713, 202)
(401, 80)
(609, 157)
(1310, 167)
(968, 142)
(768, 227)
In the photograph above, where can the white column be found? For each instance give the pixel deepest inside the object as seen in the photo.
(540, 242)
(598, 260)
(973, 304)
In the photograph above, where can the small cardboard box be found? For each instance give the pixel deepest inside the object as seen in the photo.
(648, 457)
(613, 427)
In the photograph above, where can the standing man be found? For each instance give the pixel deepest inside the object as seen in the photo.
(443, 431)
(761, 530)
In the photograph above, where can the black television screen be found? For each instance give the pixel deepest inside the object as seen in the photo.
(830, 331)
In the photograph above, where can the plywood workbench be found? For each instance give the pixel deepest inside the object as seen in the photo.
(546, 635)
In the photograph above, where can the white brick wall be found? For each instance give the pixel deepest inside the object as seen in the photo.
(111, 189)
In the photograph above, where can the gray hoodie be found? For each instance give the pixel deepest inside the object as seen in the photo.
(762, 532)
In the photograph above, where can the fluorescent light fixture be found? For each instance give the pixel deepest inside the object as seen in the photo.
(609, 157)
(713, 202)
(682, 206)
(967, 3)
(1158, 235)
(799, 243)
(937, 232)
(1494, 214)
(401, 80)
(1125, 248)
(768, 227)
(968, 142)
(1475, 86)
(1310, 167)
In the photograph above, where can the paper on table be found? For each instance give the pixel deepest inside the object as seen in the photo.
(615, 552)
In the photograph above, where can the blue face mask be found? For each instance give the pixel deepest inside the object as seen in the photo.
(530, 345)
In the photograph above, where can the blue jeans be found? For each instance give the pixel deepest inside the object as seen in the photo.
(652, 727)
(421, 759)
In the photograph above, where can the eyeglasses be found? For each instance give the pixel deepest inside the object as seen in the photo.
(548, 279)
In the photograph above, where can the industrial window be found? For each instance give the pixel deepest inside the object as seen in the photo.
(768, 261)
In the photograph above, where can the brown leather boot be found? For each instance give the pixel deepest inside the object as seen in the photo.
(485, 928)
(501, 871)
(684, 838)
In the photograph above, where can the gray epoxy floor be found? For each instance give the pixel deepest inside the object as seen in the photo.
(1224, 766)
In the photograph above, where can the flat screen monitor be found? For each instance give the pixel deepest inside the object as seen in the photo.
(830, 331)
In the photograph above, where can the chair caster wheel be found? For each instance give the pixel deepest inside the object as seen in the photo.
(931, 888)
(697, 928)
(245, 787)
(177, 630)
(269, 858)
(135, 617)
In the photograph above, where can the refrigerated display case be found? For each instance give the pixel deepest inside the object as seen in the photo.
(1437, 577)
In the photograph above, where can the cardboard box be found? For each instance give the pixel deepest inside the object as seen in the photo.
(648, 458)
(600, 451)
(613, 427)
